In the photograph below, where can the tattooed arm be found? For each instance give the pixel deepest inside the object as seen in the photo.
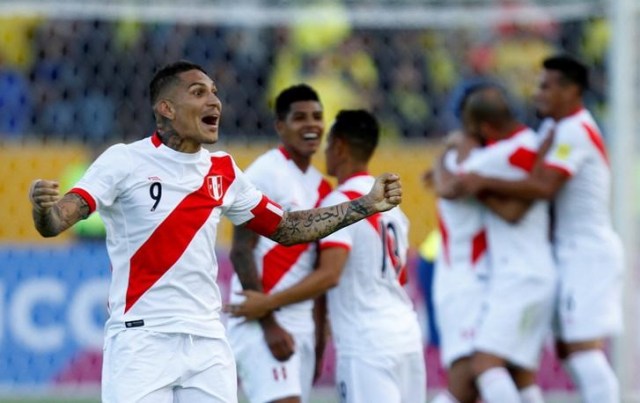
(241, 255)
(52, 214)
(309, 225)
(279, 341)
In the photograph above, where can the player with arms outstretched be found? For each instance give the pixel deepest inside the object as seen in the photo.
(161, 199)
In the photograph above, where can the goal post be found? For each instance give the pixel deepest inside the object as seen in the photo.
(623, 128)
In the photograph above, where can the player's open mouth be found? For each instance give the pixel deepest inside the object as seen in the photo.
(210, 120)
(311, 136)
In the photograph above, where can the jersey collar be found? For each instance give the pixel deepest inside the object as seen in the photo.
(361, 173)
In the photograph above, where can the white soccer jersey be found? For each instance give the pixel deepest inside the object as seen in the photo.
(461, 271)
(369, 310)
(461, 222)
(582, 206)
(522, 286)
(280, 267)
(161, 209)
(589, 253)
(523, 247)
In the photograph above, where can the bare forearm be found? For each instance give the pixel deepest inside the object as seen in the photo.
(509, 209)
(528, 189)
(310, 225)
(51, 221)
(242, 259)
(312, 286)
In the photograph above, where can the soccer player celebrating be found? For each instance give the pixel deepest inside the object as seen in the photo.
(375, 329)
(588, 252)
(518, 306)
(161, 199)
(461, 273)
(276, 355)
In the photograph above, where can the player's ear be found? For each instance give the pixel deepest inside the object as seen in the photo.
(165, 108)
(342, 147)
(279, 126)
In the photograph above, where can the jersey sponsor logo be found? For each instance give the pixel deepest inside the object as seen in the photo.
(214, 185)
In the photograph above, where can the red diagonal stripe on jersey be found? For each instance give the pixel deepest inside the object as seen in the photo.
(373, 219)
(444, 236)
(597, 141)
(279, 260)
(323, 190)
(478, 246)
(523, 158)
(172, 237)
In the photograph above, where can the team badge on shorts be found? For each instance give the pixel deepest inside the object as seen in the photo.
(214, 185)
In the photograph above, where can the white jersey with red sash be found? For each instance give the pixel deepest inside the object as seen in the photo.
(588, 252)
(370, 312)
(523, 279)
(161, 209)
(280, 267)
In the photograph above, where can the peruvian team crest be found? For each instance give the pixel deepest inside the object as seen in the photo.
(214, 185)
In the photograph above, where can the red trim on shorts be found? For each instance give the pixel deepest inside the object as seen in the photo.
(172, 237)
(86, 196)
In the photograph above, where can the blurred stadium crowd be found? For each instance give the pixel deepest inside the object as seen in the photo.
(85, 80)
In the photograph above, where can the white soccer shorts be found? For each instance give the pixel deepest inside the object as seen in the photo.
(381, 378)
(458, 314)
(151, 367)
(262, 377)
(517, 318)
(590, 301)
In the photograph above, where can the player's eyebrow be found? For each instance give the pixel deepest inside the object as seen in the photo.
(202, 84)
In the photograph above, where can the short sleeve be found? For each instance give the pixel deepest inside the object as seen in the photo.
(101, 183)
(251, 206)
(568, 151)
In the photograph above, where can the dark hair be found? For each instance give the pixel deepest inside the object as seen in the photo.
(168, 75)
(572, 70)
(461, 95)
(488, 104)
(296, 93)
(360, 130)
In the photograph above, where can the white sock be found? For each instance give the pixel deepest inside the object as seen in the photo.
(594, 377)
(445, 397)
(496, 386)
(531, 394)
